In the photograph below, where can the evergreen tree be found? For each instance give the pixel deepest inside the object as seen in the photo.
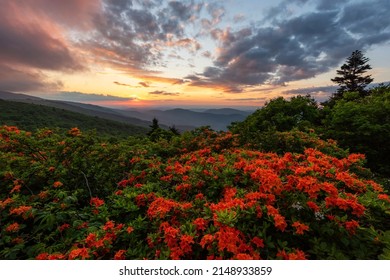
(351, 76)
(174, 130)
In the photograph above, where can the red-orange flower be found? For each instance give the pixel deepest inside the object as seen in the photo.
(280, 222)
(160, 207)
(129, 229)
(120, 255)
(83, 253)
(351, 226)
(300, 227)
(12, 227)
(200, 224)
(5, 202)
(57, 184)
(74, 131)
(258, 242)
(207, 239)
(242, 256)
(22, 210)
(109, 225)
(384, 197)
(63, 227)
(97, 202)
(313, 206)
(16, 188)
(185, 243)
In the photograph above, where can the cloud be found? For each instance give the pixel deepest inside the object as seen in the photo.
(161, 92)
(293, 47)
(134, 35)
(32, 43)
(122, 84)
(311, 90)
(25, 80)
(85, 97)
(246, 99)
(144, 84)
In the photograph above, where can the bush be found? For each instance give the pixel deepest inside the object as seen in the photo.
(78, 198)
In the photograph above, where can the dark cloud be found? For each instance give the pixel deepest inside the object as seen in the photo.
(122, 84)
(133, 35)
(85, 97)
(331, 5)
(246, 99)
(294, 48)
(217, 12)
(31, 44)
(311, 90)
(17, 80)
(161, 92)
(364, 18)
(144, 84)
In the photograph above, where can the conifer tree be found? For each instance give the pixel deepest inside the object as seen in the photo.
(351, 76)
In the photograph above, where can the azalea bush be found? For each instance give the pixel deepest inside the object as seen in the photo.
(198, 196)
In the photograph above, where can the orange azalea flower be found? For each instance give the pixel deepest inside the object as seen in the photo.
(313, 206)
(21, 210)
(17, 240)
(297, 255)
(242, 256)
(129, 229)
(56, 256)
(170, 235)
(109, 225)
(57, 184)
(97, 202)
(119, 192)
(79, 252)
(280, 222)
(300, 227)
(74, 131)
(272, 210)
(42, 256)
(200, 224)
(120, 255)
(230, 239)
(206, 240)
(63, 227)
(16, 189)
(185, 243)
(258, 242)
(351, 226)
(160, 207)
(384, 197)
(90, 240)
(13, 227)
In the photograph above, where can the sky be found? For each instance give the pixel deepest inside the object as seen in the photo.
(192, 53)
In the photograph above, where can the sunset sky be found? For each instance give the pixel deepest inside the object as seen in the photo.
(165, 53)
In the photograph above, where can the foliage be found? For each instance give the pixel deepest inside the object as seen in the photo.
(157, 133)
(197, 196)
(279, 115)
(363, 125)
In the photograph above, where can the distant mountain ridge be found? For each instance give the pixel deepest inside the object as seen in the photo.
(182, 119)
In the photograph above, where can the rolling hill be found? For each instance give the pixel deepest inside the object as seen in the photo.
(182, 119)
(34, 116)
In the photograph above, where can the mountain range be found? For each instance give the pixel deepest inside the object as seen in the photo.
(182, 119)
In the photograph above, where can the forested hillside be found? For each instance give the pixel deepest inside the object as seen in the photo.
(32, 117)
